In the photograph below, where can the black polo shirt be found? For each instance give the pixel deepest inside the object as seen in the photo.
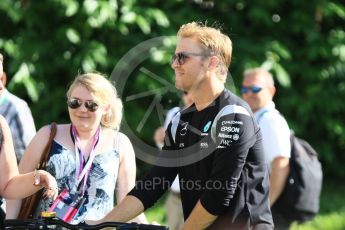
(218, 155)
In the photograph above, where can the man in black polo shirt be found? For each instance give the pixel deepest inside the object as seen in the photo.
(214, 145)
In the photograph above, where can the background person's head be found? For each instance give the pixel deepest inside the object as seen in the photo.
(257, 88)
(94, 87)
(198, 42)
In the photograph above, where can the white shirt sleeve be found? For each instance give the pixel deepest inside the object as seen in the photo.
(275, 135)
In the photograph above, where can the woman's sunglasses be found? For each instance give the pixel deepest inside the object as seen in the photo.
(254, 89)
(75, 103)
(182, 56)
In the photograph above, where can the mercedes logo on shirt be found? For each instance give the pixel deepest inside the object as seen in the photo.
(184, 129)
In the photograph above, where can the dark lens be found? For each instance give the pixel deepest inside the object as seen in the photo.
(91, 106)
(256, 89)
(181, 58)
(244, 89)
(73, 103)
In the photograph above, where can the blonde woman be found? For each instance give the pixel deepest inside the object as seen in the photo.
(89, 156)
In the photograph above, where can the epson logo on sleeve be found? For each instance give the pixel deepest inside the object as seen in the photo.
(230, 129)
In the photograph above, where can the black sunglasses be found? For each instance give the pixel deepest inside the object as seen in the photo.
(75, 103)
(182, 56)
(254, 89)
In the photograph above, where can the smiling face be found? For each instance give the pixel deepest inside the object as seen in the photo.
(191, 72)
(81, 117)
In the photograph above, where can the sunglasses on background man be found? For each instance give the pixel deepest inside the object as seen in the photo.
(254, 89)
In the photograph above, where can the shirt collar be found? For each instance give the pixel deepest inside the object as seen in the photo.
(4, 96)
(268, 107)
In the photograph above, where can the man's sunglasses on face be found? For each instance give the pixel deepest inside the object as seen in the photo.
(182, 56)
(75, 103)
(254, 89)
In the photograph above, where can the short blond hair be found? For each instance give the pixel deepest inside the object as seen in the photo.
(262, 73)
(105, 93)
(211, 38)
(1, 58)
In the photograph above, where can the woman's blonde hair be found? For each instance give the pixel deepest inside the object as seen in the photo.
(104, 93)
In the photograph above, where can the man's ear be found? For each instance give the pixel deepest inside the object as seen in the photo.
(214, 62)
(272, 89)
(4, 79)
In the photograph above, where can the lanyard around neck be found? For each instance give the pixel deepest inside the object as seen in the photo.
(82, 169)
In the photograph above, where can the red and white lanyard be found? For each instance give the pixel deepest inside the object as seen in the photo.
(82, 171)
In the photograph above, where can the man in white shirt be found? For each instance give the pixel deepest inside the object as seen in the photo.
(17, 114)
(258, 90)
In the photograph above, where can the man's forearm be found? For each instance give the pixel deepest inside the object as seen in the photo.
(279, 174)
(128, 208)
(200, 218)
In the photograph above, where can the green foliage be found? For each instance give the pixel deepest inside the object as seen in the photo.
(46, 44)
(332, 221)
(157, 213)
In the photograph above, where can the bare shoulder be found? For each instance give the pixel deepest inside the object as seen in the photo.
(124, 139)
(45, 130)
(111, 134)
(126, 148)
(35, 149)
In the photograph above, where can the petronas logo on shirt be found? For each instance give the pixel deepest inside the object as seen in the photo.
(207, 127)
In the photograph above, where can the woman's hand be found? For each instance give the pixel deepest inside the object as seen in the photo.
(45, 179)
